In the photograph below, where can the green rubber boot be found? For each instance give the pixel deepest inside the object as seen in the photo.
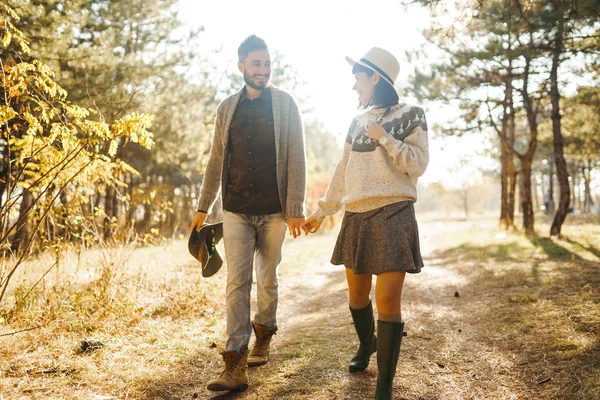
(364, 324)
(388, 349)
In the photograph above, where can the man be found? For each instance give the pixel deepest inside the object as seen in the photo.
(258, 160)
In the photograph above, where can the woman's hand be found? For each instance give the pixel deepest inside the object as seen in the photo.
(375, 131)
(311, 226)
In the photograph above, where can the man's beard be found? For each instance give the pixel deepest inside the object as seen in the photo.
(260, 86)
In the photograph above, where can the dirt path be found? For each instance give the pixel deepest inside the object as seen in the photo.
(461, 340)
(492, 316)
(441, 358)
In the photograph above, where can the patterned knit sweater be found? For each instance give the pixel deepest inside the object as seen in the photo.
(373, 174)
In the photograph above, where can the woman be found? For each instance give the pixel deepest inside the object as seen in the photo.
(386, 150)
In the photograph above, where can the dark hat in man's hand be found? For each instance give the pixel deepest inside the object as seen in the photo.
(203, 247)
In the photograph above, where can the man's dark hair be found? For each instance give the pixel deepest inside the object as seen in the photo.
(384, 94)
(250, 44)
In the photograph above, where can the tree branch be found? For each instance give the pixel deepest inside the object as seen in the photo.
(28, 329)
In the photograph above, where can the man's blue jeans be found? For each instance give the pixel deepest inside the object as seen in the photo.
(250, 238)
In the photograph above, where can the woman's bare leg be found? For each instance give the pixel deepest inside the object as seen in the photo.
(388, 295)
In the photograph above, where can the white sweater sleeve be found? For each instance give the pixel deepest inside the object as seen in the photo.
(331, 202)
(410, 156)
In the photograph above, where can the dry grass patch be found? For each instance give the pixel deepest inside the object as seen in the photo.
(525, 324)
(533, 301)
(147, 307)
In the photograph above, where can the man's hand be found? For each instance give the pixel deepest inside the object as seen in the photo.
(311, 226)
(295, 225)
(375, 131)
(199, 220)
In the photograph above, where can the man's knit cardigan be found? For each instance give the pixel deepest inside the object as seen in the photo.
(289, 147)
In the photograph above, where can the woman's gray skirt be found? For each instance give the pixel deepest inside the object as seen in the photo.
(381, 240)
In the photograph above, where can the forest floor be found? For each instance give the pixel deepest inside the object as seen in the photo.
(493, 315)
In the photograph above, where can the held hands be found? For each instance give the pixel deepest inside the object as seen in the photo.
(375, 131)
(311, 226)
(295, 226)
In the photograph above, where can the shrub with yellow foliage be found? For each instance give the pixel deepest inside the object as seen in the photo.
(54, 155)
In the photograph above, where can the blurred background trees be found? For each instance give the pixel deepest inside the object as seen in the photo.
(119, 57)
(522, 76)
(513, 68)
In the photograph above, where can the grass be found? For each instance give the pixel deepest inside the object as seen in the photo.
(535, 301)
(525, 324)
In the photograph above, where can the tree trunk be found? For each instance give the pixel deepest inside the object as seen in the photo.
(147, 220)
(4, 180)
(577, 203)
(108, 212)
(115, 209)
(22, 233)
(535, 190)
(543, 189)
(526, 200)
(513, 174)
(588, 202)
(2, 188)
(130, 208)
(559, 158)
(174, 217)
(189, 207)
(505, 154)
(527, 159)
(550, 205)
(64, 215)
(520, 189)
(51, 228)
(465, 199)
(577, 186)
(504, 185)
(511, 170)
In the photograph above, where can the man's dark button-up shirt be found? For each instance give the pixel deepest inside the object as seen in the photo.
(252, 178)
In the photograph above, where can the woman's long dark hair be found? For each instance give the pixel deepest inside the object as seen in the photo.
(384, 94)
